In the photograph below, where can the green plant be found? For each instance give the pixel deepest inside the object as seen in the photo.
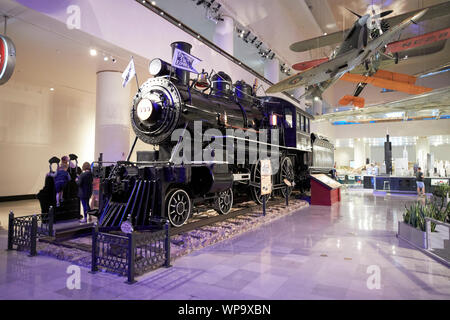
(415, 214)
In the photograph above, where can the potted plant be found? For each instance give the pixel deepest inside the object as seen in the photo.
(413, 226)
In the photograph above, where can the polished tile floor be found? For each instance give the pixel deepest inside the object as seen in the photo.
(349, 251)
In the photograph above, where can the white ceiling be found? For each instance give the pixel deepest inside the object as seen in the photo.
(50, 55)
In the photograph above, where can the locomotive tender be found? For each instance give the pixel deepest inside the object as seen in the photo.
(168, 111)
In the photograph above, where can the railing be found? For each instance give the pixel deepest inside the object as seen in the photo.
(131, 254)
(23, 232)
(438, 243)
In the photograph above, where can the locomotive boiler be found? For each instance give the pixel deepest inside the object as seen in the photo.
(207, 132)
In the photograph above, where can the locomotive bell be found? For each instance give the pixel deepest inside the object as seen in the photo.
(221, 84)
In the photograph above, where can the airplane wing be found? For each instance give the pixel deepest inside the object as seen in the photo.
(337, 67)
(435, 11)
(389, 80)
(323, 72)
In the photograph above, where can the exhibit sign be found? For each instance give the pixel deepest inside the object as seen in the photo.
(438, 182)
(266, 177)
(7, 59)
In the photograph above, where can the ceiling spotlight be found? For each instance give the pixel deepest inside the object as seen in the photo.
(105, 58)
(153, 3)
(179, 24)
(52, 89)
(93, 52)
(325, 33)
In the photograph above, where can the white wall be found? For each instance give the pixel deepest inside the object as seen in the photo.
(343, 156)
(378, 130)
(36, 124)
(441, 152)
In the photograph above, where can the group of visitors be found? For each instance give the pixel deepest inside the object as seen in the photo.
(84, 180)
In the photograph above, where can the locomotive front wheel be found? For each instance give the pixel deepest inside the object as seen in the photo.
(256, 178)
(287, 172)
(224, 202)
(178, 207)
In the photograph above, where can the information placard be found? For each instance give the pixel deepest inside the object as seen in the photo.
(266, 177)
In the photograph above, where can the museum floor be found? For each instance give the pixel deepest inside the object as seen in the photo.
(315, 253)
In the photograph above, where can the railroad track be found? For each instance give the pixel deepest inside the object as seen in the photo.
(205, 219)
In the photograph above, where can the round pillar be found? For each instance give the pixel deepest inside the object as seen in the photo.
(317, 106)
(422, 151)
(359, 153)
(112, 120)
(224, 35)
(272, 70)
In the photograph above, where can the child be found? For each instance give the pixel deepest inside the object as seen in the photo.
(61, 179)
(84, 182)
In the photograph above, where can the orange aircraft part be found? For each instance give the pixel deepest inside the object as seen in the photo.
(302, 66)
(389, 80)
(356, 101)
(418, 41)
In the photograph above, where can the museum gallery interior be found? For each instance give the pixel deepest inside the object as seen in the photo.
(225, 150)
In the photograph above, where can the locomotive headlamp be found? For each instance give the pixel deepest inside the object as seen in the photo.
(145, 109)
(158, 68)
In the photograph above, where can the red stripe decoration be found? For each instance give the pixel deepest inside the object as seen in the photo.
(2, 55)
(418, 41)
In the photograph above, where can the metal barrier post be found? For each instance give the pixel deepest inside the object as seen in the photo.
(10, 230)
(167, 244)
(33, 236)
(94, 267)
(428, 232)
(287, 195)
(51, 218)
(264, 205)
(131, 257)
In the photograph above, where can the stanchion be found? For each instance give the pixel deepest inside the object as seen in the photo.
(94, 267)
(287, 195)
(131, 258)
(51, 219)
(167, 244)
(264, 205)
(33, 236)
(10, 230)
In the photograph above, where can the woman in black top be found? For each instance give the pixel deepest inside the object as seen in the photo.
(84, 182)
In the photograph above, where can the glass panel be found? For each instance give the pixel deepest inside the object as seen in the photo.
(288, 118)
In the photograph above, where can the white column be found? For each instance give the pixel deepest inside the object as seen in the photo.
(112, 120)
(317, 106)
(224, 35)
(272, 70)
(368, 152)
(359, 153)
(422, 150)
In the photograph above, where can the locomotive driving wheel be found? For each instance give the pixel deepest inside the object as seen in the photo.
(178, 207)
(256, 179)
(287, 173)
(224, 202)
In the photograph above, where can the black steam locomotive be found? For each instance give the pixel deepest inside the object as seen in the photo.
(191, 121)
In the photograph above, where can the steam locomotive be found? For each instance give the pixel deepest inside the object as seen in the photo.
(191, 121)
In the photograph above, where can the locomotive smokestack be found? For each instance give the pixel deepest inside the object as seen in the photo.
(182, 75)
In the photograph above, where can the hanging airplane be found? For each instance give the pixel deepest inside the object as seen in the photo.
(354, 51)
